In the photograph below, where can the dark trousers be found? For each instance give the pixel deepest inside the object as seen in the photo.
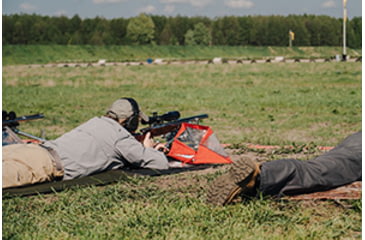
(337, 167)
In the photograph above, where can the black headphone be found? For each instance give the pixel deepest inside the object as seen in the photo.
(131, 124)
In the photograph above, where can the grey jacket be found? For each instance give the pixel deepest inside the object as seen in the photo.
(102, 144)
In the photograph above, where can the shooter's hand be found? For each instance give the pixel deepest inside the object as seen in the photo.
(161, 147)
(148, 141)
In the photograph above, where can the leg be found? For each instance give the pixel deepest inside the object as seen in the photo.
(340, 166)
(25, 164)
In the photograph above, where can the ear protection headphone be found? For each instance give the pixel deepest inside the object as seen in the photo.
(131, 123)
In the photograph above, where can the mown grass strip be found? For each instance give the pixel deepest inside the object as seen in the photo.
(43, 54)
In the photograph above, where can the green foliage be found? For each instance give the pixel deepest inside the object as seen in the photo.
(310, 30)
(179, 26)
(141, 29)
(200, 35)
(225, 31)
(189, 38)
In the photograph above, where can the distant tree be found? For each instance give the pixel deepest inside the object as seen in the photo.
(65, 29)
(251, 31)
(243, 35)
(141, 29)
(76, 38)
(189, 37)
(102, 34)
(179, 26)
(297, 25)
(276, 31)
(39, 31)
(312, 24)
(160, 22)
(75, 23)
(8, 28)
(22, 29)
(205, 20)
(74, 30)
(258, 33)
(118, 29)
(200, 35)
(355, 33)
(167, 37)
(86, 30)
(225, 31)
(331, 31)
(96, 38)
(217, 33)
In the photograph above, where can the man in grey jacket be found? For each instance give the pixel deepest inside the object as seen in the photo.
(100, 144)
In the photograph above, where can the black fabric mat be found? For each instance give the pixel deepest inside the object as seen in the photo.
(95, 180)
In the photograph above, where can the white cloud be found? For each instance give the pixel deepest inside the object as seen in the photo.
(239, 3)
(200, 3)
(329, 4)
(107, 1)
(169, 9)
(61, 13)
(195, 3)
(27, 7)
(174, 1)
(147, 9)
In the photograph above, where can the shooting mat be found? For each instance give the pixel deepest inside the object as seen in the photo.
(99, 179)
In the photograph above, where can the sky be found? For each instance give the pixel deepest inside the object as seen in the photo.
(110, 9)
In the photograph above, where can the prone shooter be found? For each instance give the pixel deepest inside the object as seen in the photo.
(100, 144)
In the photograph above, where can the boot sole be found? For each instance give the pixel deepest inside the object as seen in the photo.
(227, 186)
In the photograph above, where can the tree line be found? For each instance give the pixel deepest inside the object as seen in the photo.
(309, 30)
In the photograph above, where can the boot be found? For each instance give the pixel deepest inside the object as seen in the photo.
(240, 178)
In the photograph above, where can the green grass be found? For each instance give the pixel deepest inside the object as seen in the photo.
(142, 209)
(42, 54)
(260, 103)
(273, 103)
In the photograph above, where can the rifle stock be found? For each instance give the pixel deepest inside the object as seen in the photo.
(165, 128)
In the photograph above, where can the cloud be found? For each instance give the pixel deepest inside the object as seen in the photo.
(169, 9)
(200, 3)
(60, 13)
(27, 7)
(239, 3)
(195, 3)
(329, 4)
(147, 9)
(107, 1)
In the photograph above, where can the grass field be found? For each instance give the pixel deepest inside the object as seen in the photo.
(278, 103)
(42, 54)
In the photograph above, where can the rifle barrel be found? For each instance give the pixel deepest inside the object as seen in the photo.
(22, 118)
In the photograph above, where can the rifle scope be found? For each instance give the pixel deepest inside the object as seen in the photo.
(158, 119)
(8, 115)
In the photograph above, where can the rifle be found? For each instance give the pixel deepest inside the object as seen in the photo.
(169, 128)
(10, 122)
